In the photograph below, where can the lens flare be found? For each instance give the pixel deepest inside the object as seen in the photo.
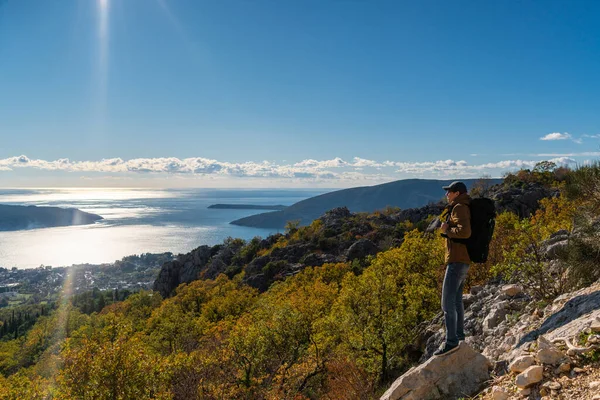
(103, 37)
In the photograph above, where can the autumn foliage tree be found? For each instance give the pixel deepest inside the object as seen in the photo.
(377, 311)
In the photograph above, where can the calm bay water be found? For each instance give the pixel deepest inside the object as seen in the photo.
(135, 221)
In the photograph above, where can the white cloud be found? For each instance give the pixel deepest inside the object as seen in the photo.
(556, 136)
(582, 154)
(362, 162)
(335, 169)
(335, 163)
(563, 161)
(592, 136)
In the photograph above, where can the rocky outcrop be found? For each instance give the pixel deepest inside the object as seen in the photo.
(533, 350)
(203, 262)
(488, 316)
(451, 376)
(334, 219)
(415, 215)
(318, 259)
(523, 200)
(291, 253)
(186, 268)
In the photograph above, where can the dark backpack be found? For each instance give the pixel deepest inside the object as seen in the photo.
(483, 220)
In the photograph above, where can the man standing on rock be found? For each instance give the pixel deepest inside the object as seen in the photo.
(456, 226)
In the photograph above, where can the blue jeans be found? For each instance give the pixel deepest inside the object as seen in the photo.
(452, 302)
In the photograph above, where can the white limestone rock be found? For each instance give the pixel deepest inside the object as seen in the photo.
(520, 364)
(458, 374)
(548, 353)
(530, 376)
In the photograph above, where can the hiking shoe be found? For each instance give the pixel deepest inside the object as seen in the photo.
(445, 349)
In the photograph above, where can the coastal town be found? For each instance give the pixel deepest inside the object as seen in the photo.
(35, 285)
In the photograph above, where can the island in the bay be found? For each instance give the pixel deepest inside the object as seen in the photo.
(15, 218)
(277, 207)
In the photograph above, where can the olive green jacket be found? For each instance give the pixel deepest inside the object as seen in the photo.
(460, 228)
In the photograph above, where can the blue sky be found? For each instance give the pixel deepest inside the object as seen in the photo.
(292, 93)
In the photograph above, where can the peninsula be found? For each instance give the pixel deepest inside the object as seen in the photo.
(15, 218)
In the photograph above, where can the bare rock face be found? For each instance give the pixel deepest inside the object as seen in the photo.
(569, 316)
(182, 270)
(449, 376)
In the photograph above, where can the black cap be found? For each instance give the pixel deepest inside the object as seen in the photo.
(456, 186)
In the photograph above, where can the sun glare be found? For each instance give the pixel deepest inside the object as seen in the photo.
(103, 8)
(103, 13)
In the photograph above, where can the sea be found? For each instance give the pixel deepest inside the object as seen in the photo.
(135, 221)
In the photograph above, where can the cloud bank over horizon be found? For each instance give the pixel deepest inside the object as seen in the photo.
(334, 171)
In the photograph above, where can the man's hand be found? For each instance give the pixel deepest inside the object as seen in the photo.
(445, 227)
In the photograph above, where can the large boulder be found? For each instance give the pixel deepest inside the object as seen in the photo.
(451, 376)
(554, 246)
(361, 249)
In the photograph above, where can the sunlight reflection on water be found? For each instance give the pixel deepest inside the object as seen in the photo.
(135, 221)
(75, 195)
(96, 244)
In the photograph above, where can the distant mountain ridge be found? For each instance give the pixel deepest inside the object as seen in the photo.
(407, 193)
(14, 218)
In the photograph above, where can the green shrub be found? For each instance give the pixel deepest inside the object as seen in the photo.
(273, 268)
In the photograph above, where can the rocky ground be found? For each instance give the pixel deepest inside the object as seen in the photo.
(533, 352)
(549, 367)
(581, 383)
